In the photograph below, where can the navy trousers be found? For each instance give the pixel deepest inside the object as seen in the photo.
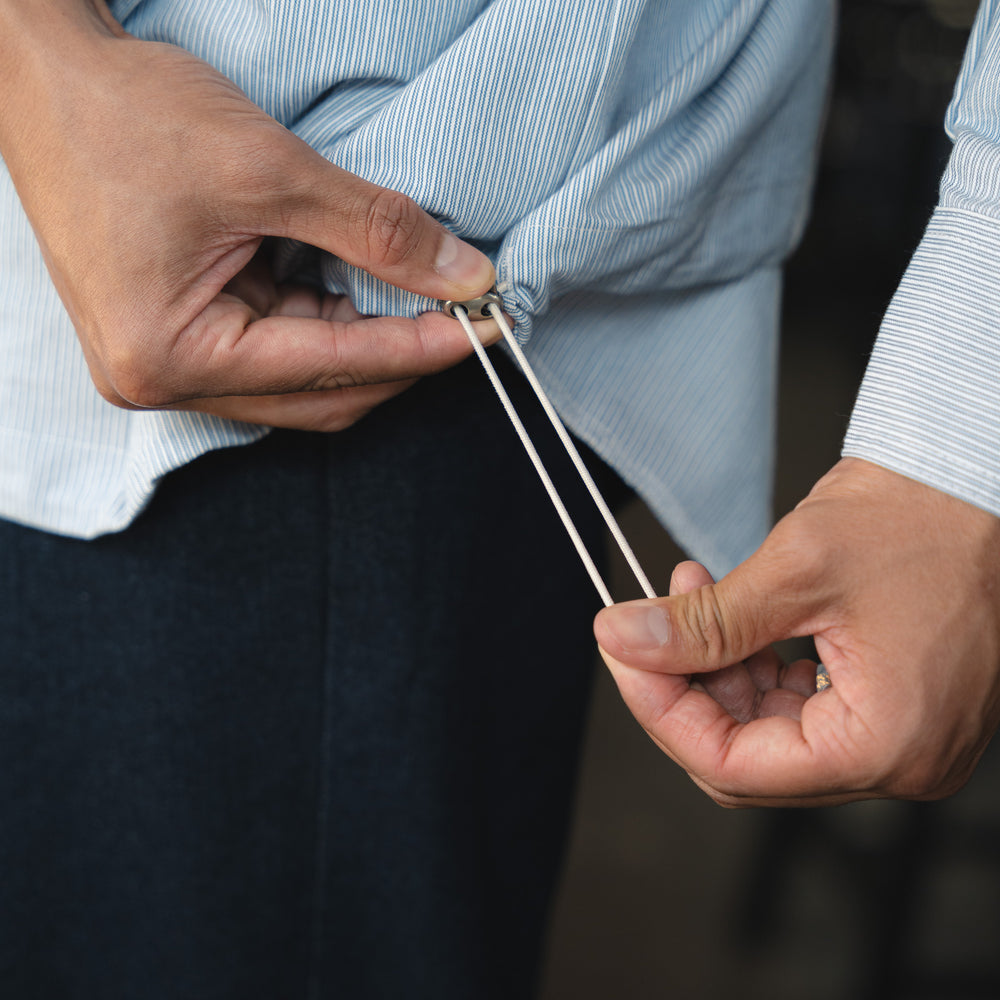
(306, 729)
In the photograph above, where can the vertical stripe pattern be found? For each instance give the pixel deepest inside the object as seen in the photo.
(637, 170)
(929, 406)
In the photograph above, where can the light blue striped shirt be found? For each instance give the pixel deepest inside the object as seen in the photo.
(637, 169)
(929, 406)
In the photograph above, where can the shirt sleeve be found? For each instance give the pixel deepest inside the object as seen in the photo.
(929, 405)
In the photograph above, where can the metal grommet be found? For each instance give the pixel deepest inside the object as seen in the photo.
(476, 308)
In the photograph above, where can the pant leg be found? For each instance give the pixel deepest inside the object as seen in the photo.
(457, 720)
(306, 729)
(158, 724)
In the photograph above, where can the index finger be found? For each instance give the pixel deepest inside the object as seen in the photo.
(769, 761)
(224, 354)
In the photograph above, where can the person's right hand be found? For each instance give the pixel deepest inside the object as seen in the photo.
(152, 181)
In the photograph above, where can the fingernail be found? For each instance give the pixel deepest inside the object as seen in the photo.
(638, 628)
(463, 265)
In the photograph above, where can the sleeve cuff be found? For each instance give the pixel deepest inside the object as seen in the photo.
(929, 405)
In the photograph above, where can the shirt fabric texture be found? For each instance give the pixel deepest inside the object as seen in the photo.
(929, 405)
(637, 170)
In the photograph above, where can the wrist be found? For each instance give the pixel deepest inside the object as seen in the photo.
(18, 17)
(53, 50)
(36, 32)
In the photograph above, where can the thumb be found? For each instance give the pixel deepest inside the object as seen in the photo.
(710, 627)
(377, 229)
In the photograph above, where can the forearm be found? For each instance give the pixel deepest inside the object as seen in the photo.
(33, 27)
(52, 50)
(24, 24)
(929, 406)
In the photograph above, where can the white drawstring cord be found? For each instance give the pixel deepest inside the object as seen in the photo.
(461, 313)
(571, 450)
(489, 304)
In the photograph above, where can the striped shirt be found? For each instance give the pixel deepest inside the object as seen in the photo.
(637, 170)
(929, 406)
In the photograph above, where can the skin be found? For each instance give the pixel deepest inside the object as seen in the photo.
(153, 184)
(898, 583)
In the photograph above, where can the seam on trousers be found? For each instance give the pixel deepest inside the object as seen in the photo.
(314, 987)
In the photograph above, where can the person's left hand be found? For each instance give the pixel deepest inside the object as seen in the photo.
(898, 583)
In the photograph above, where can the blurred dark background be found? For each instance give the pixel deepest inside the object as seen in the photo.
(667, 895)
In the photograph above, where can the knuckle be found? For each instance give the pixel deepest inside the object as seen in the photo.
(132, 382)
(104, 386)
(391, 228)
(342, 377)
(109, 395)
(712, 632)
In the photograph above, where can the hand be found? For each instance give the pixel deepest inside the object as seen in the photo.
(152, 181)
(900, 586)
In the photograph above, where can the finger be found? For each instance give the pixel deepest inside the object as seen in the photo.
(229, 354)
(266, 299)
(339, 309)
(732, 687)
(300, 300)
(255, 286)
(325, 411)
(800, 676)
(687, 576)
(764, 599)
(781, 702)
(764, 668)
(785, 758)
(377, 229)
(307, 303)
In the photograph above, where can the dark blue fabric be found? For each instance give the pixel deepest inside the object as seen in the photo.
(306, 729)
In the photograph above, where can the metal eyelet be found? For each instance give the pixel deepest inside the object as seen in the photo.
(476, 308)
